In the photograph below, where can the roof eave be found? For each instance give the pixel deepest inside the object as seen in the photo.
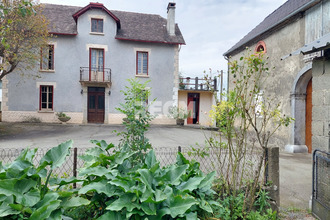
(58, 33)
(149, 41)
(243, 44)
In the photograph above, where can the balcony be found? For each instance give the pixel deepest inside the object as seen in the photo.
(95, 77)
(198, 84)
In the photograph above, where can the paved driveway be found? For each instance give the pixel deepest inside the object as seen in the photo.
(295, 169)
(18, 135)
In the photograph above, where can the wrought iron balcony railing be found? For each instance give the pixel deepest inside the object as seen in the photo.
(200, 84)
(95, 75)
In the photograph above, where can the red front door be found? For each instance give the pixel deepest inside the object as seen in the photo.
(95, 105)
(193, 108)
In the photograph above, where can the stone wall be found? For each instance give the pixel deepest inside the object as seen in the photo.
(281, 79)
(321, 104)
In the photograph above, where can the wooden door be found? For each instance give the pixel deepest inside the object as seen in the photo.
(95, 105)
(309, 107)
(193, 107)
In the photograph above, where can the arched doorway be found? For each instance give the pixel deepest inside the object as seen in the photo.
(301, 131)
(309, 106)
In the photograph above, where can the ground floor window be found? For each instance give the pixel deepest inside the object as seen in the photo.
(46, 98)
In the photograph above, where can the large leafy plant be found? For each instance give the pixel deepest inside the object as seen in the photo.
(24, 191)
(119, 190)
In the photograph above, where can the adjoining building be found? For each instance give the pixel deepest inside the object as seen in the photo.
(296, 38)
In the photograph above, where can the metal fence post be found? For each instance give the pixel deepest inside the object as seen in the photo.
(179, 149)
(75, 150)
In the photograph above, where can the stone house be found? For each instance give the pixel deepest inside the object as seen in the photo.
(296, 38)
(91, 55)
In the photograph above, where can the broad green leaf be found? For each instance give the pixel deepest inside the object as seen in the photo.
(31, 198)
(56, 215)
(111, 216)
(160, 196)
(17, 207)
(74, 202)
(125, 201)
(207, 181)
(15, 168)
(123, 156)
(64, 181)
(161, 213)
(191, 216)
(179, 205)
(49, 197)
(136, 213)
(203, 204)
(125, 184)
(100, 187)
(96, 171)
(25, 185)
(191, 184)
(95, 151)
(150, 160)
(6, 210)
(147, 196)
(174, 174)
(56, 156)
(146, 177)
(44, 211)
(7, 187)
(181, 160)
(103, 144)
(27, 155)
(149, 208)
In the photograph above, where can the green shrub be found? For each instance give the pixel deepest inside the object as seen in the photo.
(24, 192)
(119, 190)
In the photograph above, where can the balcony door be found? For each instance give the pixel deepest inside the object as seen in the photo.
(96, 65)
(193, 107)
(95, 105)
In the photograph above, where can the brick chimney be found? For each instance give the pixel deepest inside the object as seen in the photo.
(171, 18)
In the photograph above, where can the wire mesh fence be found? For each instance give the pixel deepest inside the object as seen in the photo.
(321, 184)
(210, 160)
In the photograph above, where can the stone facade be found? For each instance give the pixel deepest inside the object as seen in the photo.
(321, 104)
(281, 78)
(284, 41)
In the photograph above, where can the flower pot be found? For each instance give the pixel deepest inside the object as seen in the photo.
(180, 122)
(64, 119)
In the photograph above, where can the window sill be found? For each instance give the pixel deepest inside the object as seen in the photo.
(142, 76)
(46, 111)
(47, 71)
(96, 33)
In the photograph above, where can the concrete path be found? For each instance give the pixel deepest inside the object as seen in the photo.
(295, 169)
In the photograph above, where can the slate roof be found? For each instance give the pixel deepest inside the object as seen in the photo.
(133, 26)
(280, 15)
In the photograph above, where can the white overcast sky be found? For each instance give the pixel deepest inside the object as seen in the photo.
(209, 27)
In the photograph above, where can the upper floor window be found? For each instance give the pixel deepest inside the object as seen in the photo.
(97, 25)
(46, 98)
(47, 58)
(142, 63)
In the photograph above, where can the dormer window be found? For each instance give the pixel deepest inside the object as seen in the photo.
(97, 25)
